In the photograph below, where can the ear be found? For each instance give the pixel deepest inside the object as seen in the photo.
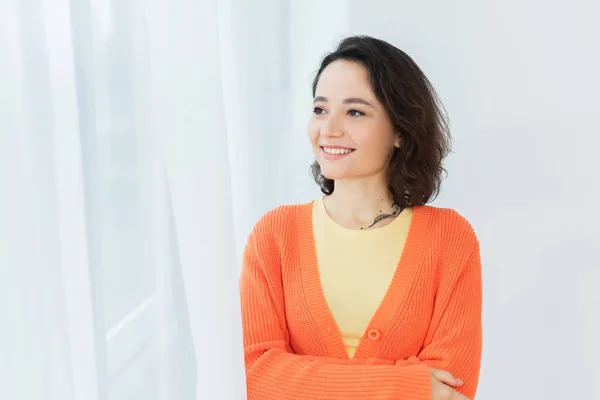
(397, 141)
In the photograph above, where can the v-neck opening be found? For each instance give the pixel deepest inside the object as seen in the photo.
(395, 293)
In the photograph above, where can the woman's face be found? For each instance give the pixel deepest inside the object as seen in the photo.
(351, 134)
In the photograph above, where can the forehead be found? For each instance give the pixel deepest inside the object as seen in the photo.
(342, 79)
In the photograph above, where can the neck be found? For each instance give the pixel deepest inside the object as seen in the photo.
(356, 203)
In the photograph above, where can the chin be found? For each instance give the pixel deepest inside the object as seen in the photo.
(334, 175)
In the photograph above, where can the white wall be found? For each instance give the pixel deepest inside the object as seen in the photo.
(520, 81)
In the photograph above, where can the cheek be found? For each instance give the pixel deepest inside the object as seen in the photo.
(373, 141)
(312, 131)
(376, 148)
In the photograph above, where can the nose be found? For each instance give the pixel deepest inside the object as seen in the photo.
(331, 127)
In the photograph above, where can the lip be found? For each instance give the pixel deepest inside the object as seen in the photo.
(333, 157)
(333, 146)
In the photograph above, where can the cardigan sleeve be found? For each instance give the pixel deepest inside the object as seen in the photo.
(454, 340)
(273, 372)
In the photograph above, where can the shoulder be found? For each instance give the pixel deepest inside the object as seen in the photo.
(281, 218)
(451, 222)
(277, 225)
(273, 236)
(451, 231)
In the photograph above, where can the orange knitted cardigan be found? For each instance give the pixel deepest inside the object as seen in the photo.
(429, 317)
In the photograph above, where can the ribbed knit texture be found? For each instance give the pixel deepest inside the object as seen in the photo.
(430, 315)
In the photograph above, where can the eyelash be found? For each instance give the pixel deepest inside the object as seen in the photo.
(317, 110)
(353, 113)
(360, 113)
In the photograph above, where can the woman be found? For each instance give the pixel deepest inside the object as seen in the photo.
(367, 293)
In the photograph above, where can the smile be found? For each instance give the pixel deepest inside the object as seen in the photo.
(335, 153)
(336, 150)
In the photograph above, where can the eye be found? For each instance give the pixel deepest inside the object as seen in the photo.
(318, 110)
(356, 113)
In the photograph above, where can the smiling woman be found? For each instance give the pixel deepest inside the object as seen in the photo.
(399, 104)
(367, 292)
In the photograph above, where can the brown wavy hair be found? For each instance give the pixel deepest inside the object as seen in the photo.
(415, 171)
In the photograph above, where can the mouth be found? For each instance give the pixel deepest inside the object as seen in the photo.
(335, 152)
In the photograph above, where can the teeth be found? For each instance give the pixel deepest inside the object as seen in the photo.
(336, 151)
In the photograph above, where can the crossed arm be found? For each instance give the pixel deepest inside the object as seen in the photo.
(452, 349)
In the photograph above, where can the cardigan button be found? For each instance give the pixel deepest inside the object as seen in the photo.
(374, 334)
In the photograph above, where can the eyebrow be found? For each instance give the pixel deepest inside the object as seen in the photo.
(351, 100)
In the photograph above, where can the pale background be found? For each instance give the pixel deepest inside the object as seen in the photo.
(140, 140)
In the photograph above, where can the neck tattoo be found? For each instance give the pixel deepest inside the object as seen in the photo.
(396, 209)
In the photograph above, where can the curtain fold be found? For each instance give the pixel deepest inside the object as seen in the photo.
(190, 116)
(46, 343)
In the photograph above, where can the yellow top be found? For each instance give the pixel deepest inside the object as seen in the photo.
(356, 268)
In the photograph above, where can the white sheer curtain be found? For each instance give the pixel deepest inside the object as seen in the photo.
(47, 335)
(139, 142)
(188, 111)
